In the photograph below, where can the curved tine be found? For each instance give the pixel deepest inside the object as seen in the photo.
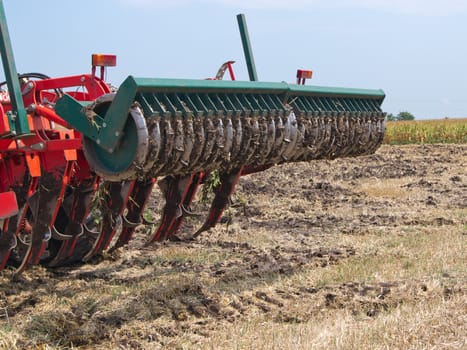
(117, 196)
(134, 217)
(128, 228)
(160, 231)
(36, 249)
(80, 246)
(23, 227)
(187, 212)
(77, 206)
(189, 187)
(90, 232)
(196, 180)
(56, 234)
(118, 230)
(104, 237)
(131, 224)
(175, 192)
(44, 204)
(66, 248)
(221, 200)
(166, 185)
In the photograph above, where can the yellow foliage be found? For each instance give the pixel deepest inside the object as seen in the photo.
(426, 131)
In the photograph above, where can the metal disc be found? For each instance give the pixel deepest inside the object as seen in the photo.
(130, 154)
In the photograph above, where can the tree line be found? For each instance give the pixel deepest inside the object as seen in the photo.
(400, 116)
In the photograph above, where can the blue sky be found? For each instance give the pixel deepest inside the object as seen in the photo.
(415, 50)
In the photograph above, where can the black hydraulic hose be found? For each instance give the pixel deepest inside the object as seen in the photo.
(33, 75)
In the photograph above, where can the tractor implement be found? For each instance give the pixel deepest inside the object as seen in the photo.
(263, 123)
(79, 159)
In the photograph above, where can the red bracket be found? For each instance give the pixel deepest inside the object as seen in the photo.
(9, 206)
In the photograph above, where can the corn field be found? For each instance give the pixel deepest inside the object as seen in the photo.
(426, 131)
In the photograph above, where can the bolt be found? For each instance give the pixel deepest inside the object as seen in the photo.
(38, 146)
(98, 141)
(117, 133)
(31, 108)
(83, 79)
(104, 124)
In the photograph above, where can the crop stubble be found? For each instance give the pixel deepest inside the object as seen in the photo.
(330, 254)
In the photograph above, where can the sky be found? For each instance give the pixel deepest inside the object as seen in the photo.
(415, 50)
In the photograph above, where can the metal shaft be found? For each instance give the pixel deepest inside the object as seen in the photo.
(250, 61)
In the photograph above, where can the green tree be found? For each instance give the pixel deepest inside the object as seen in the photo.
(400, 116)
(391, 117)
(405, 116)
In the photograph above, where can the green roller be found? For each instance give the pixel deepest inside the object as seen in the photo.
(154, 127)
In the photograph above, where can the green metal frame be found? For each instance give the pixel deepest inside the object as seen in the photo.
(107, 130)
(17, 117)
(250, 61)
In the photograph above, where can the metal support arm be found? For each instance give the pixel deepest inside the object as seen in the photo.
(18, 116)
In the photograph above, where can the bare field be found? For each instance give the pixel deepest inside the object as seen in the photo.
(365, 253)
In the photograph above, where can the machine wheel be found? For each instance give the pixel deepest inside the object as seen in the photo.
(130, 154)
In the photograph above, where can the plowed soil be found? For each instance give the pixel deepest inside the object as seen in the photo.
(356, 239)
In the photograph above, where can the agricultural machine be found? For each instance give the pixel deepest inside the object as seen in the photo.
(74, 145)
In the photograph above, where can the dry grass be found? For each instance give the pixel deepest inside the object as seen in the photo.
(437, 324)
(425, 306)
(389, 256)
(385, 188)
(424, 270)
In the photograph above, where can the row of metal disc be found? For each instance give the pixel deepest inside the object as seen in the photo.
(183, 145)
